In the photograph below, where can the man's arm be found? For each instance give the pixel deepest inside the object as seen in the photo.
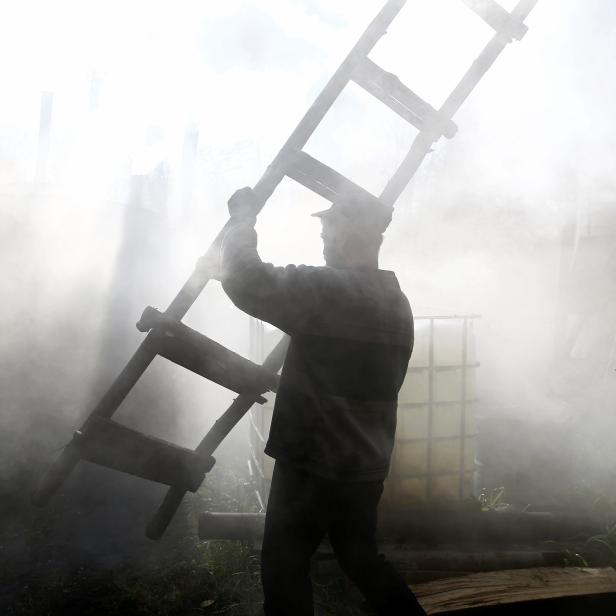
(282, 296)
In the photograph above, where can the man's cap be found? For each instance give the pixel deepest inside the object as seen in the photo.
(368, 215)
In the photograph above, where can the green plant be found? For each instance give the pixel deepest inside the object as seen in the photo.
(606, 541)
(571, 558)
(584, 496)
(492, 499)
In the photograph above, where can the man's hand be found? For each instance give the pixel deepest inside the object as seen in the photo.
(243, 206)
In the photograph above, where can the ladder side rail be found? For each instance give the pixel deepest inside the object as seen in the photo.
(420, 148)
(422, 143)
(111, 400)
(276, 171)
(324, 101)
(202, 274)
(264, 188)
(497, 17)
(215, 436)
(145, 354)
(483, 63)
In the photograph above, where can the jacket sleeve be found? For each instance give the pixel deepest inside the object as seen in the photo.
(282, 296)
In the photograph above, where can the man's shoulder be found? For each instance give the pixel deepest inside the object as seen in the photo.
(365, 279)
(317, 273)
(349, 284)
(336, 273)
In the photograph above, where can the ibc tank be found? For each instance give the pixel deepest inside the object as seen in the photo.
(434, 453)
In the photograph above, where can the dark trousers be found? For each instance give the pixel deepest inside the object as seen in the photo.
(302, 508)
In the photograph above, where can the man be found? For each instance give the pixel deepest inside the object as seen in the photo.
(334, 421)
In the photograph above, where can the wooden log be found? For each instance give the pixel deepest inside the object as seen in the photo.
(435, 528)
(471, 561)
(431, 526)
(501, 588)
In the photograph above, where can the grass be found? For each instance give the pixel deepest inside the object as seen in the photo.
(492, 499)
(606, 542)
(211, 579)
(179, 577)
(216, 578)
(189, 578)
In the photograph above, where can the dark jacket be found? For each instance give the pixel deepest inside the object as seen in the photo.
(351, 340)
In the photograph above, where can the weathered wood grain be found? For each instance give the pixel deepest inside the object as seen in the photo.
(495, 588)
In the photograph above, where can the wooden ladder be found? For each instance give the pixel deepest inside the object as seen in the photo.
(103, 441)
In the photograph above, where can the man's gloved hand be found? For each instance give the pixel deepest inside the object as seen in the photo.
(243, 206)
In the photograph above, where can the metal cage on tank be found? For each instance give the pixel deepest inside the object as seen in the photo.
(436, 439)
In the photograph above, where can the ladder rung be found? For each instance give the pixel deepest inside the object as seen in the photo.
(115, 446)
(202, 355)
(388, 88)
(321, 179)
(497, 17)
(316, 112)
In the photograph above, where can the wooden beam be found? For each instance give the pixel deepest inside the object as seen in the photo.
(113, 445)
(400, 99)
(497, 17)
(324, 101)
(202, 355)
(321, 179)
(491, 589)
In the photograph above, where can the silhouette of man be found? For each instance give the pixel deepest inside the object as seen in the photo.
(334, 420)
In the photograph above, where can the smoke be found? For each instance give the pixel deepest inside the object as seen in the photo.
(128, 204)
